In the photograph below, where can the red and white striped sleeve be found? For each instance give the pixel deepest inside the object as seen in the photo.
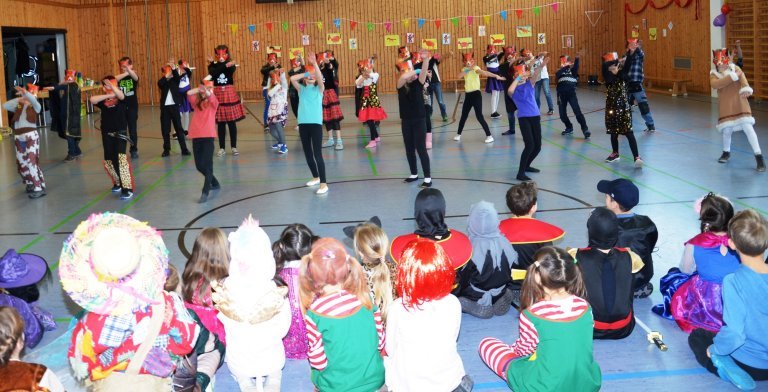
(380, 329)
(528, 340)
(316, 350)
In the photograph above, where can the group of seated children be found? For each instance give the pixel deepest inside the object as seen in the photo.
(364, 322)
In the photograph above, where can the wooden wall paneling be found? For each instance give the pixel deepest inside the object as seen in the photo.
(746, 23)
(688, 38)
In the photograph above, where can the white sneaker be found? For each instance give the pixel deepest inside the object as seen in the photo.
(313, 182)
(457, 138)
(296, 128)
(322, 190)
(221, 153)
(638, 162)
(235, 152)
(489, 139)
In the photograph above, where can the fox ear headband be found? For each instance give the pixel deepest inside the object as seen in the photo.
(720, 57)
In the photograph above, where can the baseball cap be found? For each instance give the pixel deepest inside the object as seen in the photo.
(622, 190)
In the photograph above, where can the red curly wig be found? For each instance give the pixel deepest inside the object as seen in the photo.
(424, 273)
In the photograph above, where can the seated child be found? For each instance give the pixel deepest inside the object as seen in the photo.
(607, 272)
(424, 324)
(554, 349)
(483, 283)
(698, 302)
(739, 352)
(526, 233)
(429, 213)
(255, 312)
(133, 333)
(371, 246)
(636, 232)
(15, 374)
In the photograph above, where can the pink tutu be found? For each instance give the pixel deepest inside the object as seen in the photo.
(698, 303)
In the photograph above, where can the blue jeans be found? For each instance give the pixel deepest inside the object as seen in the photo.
(73, 146)
(437, 90)
(544, 83)
(266, 104)
(642, 103)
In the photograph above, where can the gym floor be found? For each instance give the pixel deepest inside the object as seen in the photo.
(681, 166)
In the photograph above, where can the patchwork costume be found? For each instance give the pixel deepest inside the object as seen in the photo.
(27, 142)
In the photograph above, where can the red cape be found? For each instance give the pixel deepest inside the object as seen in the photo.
(457, 245)
(529, 231)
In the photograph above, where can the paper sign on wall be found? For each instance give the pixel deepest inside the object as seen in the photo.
(524, 31)
(567, 41)
(541, 38)
(498, 40)
(652, 34)
(446, 39)
(429, 43)
(295, 52)
(481, 31)
(305, 40)
(278, 50)
(255, 46)
(410, 38)
(464, 43)
(392, 40)
(353, 44)
(333, 39)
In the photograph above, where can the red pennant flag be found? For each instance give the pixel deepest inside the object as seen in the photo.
(302, 25)
(352, 24)
(437, 23)
(269, 26)
(519, 13)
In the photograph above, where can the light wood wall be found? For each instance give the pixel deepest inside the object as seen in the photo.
(746, 23)
(687, 38)
(97, 34)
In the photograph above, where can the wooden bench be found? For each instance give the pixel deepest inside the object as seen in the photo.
(678, 85)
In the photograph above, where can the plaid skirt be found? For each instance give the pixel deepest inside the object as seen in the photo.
(230, 107)
(331, 106)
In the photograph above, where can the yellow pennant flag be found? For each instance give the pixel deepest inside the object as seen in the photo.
(487, 19)
(319, 25)
(233, 27)
(406, 22)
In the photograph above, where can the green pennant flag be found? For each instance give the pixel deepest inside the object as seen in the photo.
(285, 26)
(536, 10)
(370, 26)
(455, 22)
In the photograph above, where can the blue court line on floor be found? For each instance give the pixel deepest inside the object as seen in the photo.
(614, 377)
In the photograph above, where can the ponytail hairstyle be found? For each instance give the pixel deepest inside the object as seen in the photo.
(294, 243)
(371, 245)
(714, 213)
(11, 332)
(209, 262)
(328, 265)
(554, 269)
(424, 274)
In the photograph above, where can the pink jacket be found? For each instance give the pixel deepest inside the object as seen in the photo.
(203, 123)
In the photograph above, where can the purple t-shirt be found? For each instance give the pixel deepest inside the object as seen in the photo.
(524, 100)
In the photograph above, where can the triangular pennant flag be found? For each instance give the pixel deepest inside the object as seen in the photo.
(470, 19)
(352, 24)
(302, 25)
(519, 13)
(388, 26)
(252, 28)
(437, 23)
(269, 26)
(421, 23)
(554, 7)
(503, 15)
(369, 26)
(536, 10)
(406, 22)
(337, 23)
(455, 22)
(233, 27)
(285, 26)
(487, 19)
(319, 25)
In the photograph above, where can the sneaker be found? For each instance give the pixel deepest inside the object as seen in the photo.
(411, 179)
(489, 139)
(550, 112)
(221, 153)
(283, 149)
(296, 128)
(531, 169)
(134, 155)
(650, 129)
(587, 135)
(30, 188)
(174, 136)
(313, 182)
(322, 190)
(445, 118)
(235, 152)
(275, 146)
(502, 305)
(472, 307)
(266, 129)
(116, 189)
(508, 132)
(371, 144)
(378, 139)
(523, 177)
(70, 158)
(203, 197)
(126, 195)
(644, 291)
(725, 157)
(729, 371)
(186, 153)
(165, 153)
(216, 186)
(36, 194)
(495, 115)
(612, 158)
(567, 132)
(638, 162)
(426, 184)
(457, 138)
(760, 163)
(339, 145)
(328, 143)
